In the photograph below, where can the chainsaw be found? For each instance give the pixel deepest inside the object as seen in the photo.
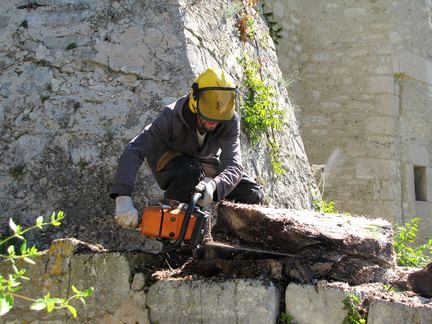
(176, 221)
(187, 223)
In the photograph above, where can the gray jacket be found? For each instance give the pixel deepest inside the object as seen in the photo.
(175, 130)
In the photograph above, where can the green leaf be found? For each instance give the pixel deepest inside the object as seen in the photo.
(38, 305)
(72, 310)
(39, 222)
(74, 289)
(12, 225)
(28, 260)
(23, 248)
(88, 292)
(50, 306)
(5, 305)
(11, 250)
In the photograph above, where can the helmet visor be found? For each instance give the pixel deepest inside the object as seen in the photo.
(216, 103)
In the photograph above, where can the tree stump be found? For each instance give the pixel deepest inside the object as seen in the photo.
(322, 246)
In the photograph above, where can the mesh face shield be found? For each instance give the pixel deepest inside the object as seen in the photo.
(217, 103)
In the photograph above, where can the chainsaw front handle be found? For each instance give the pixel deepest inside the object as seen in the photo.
(196, 196)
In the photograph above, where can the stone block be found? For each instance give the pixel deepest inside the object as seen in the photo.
(418, 155)
(382, 312)
(387, 104)
(369, 168)
(208, 301)
(380, 84)
(138, 281)
(132, 311)
(354, 12)
(315, 304)
(415, 66)
(382, 125)
(97, 271)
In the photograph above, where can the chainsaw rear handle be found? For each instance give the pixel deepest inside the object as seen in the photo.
(196, 196)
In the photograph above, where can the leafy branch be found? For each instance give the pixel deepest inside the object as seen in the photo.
(406, 253)
(10, 284)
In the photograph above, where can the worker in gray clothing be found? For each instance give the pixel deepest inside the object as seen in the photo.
(194, 142)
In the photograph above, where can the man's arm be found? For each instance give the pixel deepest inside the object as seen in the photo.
(150, 141)
(230, 160)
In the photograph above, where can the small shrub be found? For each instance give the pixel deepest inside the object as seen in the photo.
(326, 207)
(260, 112)
(406, 254)
(351, 304)
(285, 318)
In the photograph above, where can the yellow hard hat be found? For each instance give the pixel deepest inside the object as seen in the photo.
(214, 95)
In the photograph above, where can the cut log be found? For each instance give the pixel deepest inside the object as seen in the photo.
(331, 246)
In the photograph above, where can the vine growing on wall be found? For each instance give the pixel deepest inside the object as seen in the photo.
(260, 113)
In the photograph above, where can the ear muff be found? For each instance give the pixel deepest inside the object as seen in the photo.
(195, 91)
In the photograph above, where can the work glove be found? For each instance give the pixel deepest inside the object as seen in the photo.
(207, 186)
(125, 213)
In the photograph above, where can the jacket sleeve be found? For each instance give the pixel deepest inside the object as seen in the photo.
(148, 143)
(232, 169)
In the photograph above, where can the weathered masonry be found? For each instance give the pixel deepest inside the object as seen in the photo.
(364, 96)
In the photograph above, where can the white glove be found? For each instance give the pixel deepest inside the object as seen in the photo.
(125, 213)
(207, 186)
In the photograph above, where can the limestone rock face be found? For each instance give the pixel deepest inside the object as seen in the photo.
(80, 78)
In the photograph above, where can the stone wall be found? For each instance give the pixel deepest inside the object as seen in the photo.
(363, 98)
(124, 294)
(80, 78)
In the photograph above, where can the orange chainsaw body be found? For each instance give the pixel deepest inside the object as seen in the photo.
(161, 222)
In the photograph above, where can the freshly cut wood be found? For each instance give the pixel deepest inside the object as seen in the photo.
(333, 246)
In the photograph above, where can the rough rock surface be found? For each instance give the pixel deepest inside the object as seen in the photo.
(324, 303)
(165, 290)
(80, 78)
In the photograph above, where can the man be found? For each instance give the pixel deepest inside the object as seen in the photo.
(194, 143)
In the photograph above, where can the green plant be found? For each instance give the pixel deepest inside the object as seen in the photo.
(71, 46)
(17, 171)
(351, 304)
(274, 28)
(326, 207)
(291, 78)
(323, 206)
(24, 23)
(406, 254)
(285, 318)
(260, 112)
(10, 283)
(390, 288)
(44, 98)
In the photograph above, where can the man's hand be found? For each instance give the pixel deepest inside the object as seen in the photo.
(207, 186)
(125, 213)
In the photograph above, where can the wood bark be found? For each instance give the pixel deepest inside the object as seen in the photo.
(320, 246)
